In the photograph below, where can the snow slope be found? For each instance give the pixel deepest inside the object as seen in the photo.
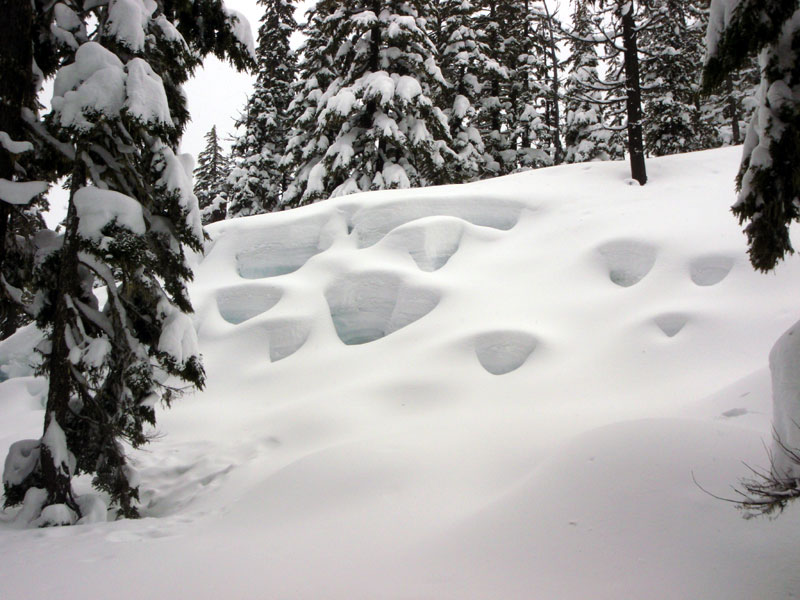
(499, 390)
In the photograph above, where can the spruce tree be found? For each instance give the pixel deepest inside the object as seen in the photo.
(675, 120)
(258, 180)
(585, 135)
(211, 180)
(376, 121)
(118, 113)
(465, 65)
(769, 177)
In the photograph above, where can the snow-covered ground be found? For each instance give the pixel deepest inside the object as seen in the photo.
(500, 390)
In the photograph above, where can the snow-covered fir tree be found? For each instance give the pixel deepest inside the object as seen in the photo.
(494, 109)
(675, 121)
(24, 41)
(769, 177)
(316, 69)
(585, 135)
(465, 65)
(258, 180)
(376, 121)
(211, 180)
(117, 115)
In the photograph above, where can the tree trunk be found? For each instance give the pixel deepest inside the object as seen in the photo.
(558, 157)
(633, 95)
(57, 483)
(734, 113)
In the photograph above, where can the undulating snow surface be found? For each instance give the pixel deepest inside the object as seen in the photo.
(500, 390)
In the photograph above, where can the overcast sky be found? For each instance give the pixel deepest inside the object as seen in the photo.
(217, 93)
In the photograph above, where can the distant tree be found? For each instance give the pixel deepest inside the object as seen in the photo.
(376, 125)
(618, 24)
(118, 113)
(675, 118)
(465, 66)
(585, 134)
(258, 180)
(211, 180)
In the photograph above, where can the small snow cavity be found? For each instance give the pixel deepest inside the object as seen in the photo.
(501, 352)
(671, 323)
(368, 306)
(710, 270)
(241, 303)
(431, 242)
(280, 250)
(286, 336)
(628, 261)
(371, 224)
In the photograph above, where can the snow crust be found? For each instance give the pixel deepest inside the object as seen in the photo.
(516, 423)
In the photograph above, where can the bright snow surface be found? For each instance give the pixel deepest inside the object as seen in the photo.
(500, 390)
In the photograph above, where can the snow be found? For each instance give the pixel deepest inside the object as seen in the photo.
(16, 192)
(241, 30)
(147, 100)
(497, 390)
(12, 146)
(128, 20)
(783, 361)
(98, 208)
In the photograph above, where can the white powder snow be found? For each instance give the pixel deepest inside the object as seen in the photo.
(21, 192)
(97, 208)
(497, 390)
(12, 146)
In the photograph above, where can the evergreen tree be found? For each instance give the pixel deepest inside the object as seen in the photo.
(118, 112)
(25, 40)
(465, 65)
(258, 180)
(619, 23)
(675, 120)
(211, 180)
(585, 134)
(769, 176)
(376, 121)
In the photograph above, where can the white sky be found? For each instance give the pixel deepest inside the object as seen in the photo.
(218, 93)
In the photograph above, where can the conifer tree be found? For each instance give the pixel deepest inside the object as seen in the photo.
(585, 135)
(258, 180)
(376, 121)
(465, 65)
(619, 23)
(118, 112)
(769, 177)
(211, 180)
(675, 121)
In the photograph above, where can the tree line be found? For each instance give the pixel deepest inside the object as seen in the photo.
(391, 94)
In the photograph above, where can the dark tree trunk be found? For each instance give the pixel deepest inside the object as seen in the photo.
(634, 96)
(56, 481)
(558, 157)
(734, 112)
(375, 41)
(16, 92)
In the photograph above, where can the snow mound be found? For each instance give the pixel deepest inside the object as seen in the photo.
(501, 352)
(368, 306)
(243, 302)
(710, 270)
(628, 261)
(459, 393)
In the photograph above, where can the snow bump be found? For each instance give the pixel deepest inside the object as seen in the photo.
(241, 303)
(671, 323)
(628, 261)
(710, 270)
(286, 336)
(430, 243)
(501, 352)
(368, 306)
(281, 250)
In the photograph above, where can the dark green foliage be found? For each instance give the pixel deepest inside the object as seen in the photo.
(211, 180)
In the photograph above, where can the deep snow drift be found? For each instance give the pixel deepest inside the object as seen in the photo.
(500, 390)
